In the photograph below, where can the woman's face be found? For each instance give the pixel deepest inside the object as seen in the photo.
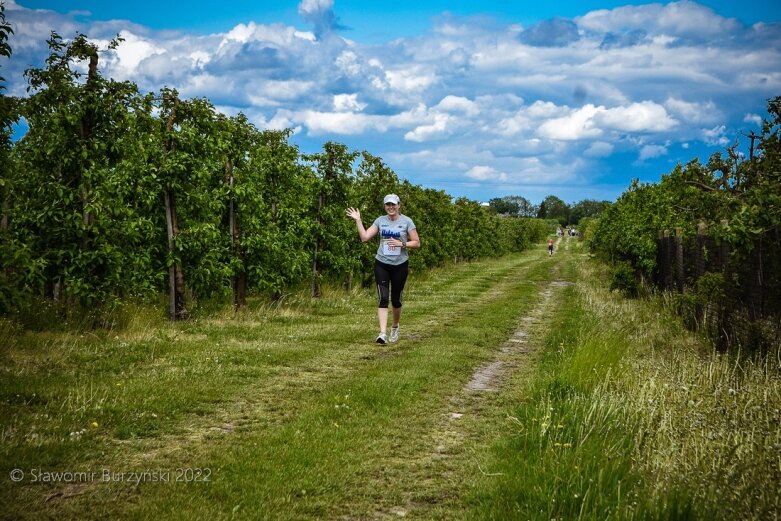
(391, 209)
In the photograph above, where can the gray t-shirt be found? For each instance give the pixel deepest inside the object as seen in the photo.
(398, 229)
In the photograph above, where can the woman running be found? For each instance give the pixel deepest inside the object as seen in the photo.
(391, 265)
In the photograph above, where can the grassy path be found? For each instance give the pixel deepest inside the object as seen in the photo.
(293, 411)
(521, 389)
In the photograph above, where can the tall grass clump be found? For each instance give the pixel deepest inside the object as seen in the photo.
(568, 452)
(631, 416)
(708, 435)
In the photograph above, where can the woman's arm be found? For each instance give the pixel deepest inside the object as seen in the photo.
(413, 241)
(363, 233)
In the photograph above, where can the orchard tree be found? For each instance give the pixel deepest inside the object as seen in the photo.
(587, 208)
(472, 241)
(196, 198)
(277, 228)
(434, 215)
(330, 254)
(236, 138)
(554, 208)
(525, 207)
(70, 200)
(514, 205)
(503, 206)
(12, 253)
(5, 31)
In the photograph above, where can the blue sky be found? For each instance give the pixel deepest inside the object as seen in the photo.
(478, 98)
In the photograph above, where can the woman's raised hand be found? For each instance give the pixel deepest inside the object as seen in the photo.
(354, 213)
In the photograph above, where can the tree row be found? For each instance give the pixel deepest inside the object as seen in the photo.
(113, 194)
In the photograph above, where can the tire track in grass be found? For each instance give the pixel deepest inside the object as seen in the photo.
(316, 369)
(302, 380)
(465, 428)
(410, 464)
(301, 451)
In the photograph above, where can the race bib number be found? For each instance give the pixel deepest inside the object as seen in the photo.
(389, 250)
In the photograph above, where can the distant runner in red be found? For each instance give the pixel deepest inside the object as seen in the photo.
(391, 265)
(550, 247)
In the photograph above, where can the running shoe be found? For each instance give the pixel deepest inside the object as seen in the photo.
(381, 339)
(394, 334)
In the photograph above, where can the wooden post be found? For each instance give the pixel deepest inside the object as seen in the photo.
(699, 253)
(679, 259)
(660, 260)
(723, 249)
(755, 286)
(667, 283)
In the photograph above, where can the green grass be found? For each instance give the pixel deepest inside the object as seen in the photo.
(631, 417)
(292, 412)
(292, 408)
(567, 452)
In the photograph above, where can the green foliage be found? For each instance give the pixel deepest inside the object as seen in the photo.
(587, 227)
(333, 193)
(554, 208)
(12, 252)
(435, 219)
(624, 280)
(745, 193)
(85, 191)
(274, 195)
(503, 205)
(515, 205)
(73, 205)
(587, 208)
(738, 200)
(5, 30)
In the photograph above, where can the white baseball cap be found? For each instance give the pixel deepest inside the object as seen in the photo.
(391, 198)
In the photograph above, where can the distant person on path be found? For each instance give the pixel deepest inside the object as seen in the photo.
(550, 247)
(391, 265)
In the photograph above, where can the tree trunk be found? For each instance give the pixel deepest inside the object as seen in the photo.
(176, 305)
(87, 122)
(239, 279)
(318, 247)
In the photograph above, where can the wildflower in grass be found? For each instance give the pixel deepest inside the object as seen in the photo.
(94, 424)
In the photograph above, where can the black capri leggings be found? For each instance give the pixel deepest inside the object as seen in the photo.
(391, 275)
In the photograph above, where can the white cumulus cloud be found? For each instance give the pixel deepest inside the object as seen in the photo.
(485, 173)
(545, 103)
